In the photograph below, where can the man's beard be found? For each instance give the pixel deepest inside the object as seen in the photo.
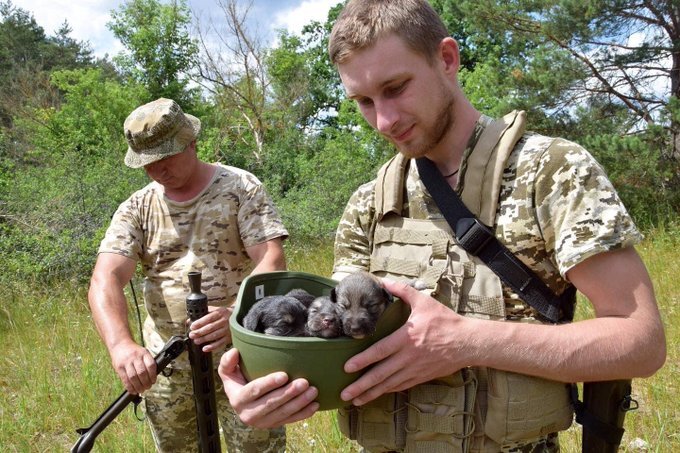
(434, 134)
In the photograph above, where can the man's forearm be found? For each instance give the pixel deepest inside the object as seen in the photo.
(110, 315)
(591, 350)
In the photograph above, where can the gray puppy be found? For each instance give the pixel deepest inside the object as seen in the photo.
(361, 299)
(323, 318)
(283, 316)
(301, 295)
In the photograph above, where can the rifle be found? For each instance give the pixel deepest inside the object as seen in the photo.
(602, 412)
(172, 349)
(201, 374)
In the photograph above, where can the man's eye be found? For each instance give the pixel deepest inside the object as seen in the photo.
(364, 102)
(395, 90)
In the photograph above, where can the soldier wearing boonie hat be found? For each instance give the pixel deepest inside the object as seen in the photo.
(158, 130)
(193, 216)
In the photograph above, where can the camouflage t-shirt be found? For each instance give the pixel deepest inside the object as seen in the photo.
(208, 234)
(556, 208)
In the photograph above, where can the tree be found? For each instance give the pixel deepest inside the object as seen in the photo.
(620, 52)
(160, 49)
(64, 192)
(27, 55)
(303, 76)
(604, 73)
(232, 69)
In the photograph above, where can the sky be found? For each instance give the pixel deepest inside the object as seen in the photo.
(88, 18)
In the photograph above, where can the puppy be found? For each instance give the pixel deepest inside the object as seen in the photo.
(361, 300)
(323, 319)
(283, 316)
(301, 295)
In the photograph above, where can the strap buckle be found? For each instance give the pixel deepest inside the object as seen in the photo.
(473, 235)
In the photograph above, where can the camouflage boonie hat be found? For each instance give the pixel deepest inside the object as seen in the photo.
(158, 130)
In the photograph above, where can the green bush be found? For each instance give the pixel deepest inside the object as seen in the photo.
(328, 179)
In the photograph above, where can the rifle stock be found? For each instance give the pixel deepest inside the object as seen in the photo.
(602, 414)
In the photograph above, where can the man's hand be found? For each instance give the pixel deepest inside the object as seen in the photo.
(135, 366)
(429, 345)
(436, 342)
(212, 330)
(268, 402)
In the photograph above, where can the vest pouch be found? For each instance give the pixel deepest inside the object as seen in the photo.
(524, 407)
(346, 419)
(482, 292)
(377, 426)
(411, 250)
(440, 416)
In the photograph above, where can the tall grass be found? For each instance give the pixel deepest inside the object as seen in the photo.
(55, 375)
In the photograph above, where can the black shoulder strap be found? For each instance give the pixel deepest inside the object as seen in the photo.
(478, 240)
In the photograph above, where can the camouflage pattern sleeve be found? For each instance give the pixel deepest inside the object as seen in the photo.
(258, 219)
(124, 236)
(578, 208)
(352, 239)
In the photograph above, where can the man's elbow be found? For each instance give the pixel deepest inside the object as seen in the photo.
(653, 353)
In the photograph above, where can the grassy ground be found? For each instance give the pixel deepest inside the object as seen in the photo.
(55, 375)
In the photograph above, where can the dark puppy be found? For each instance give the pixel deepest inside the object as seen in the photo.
(323, 319)
(301, 295)
(283, 316)
(361, 299)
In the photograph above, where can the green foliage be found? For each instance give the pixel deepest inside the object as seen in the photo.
(573, 50)
(92, 114)
(327, 180)
(643, 178)
(304, 83)
(23, 40)
(575, 67)
(61, 171)
(27, 55)
(71, 181)
(160, 49)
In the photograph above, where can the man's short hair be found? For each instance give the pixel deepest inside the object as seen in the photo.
(362, 22)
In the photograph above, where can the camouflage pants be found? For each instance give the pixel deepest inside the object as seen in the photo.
(171, 413)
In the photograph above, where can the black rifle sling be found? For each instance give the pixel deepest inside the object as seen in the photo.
(478, 240)
(605, 403)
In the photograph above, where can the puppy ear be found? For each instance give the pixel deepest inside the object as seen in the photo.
(253, 320)
(260, 325)
(257, 318)
(388, 295)
(333, 296)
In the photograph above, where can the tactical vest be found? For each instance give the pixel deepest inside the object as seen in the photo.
(476, 409)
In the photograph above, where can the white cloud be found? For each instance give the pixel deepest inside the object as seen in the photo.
(87, 19)
(293, 19)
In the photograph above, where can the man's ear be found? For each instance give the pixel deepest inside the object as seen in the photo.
(449, 56)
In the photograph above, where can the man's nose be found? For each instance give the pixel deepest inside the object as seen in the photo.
(155, 168)
(386, 116)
